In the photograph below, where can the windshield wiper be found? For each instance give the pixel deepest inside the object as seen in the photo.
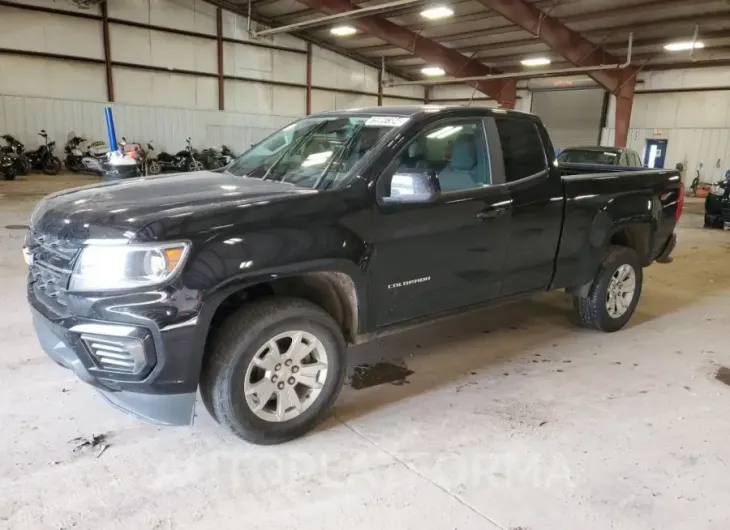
(339, 156)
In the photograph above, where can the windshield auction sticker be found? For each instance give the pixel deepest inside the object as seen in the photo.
(386, 121)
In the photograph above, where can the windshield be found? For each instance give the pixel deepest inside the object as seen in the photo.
(317, 152)
(589, 156)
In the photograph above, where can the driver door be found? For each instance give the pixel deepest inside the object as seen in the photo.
(446, 252)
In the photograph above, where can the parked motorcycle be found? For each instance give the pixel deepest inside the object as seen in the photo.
(150, 164)
(214, 158)
(7, 165)
(89, 160)
(21, 163)
(185, 160)
(42, 158)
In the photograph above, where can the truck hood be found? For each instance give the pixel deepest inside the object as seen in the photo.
(118, 210)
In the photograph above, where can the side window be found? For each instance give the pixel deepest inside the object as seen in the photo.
(456, 152)
(623, 159)
(524, 154)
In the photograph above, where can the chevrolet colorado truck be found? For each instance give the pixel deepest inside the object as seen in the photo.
(250, 282)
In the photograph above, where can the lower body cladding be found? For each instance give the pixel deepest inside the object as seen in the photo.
(113, 358)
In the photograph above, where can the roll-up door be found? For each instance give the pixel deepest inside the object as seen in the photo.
(572, 117)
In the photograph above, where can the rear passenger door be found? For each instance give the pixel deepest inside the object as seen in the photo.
(536, 208)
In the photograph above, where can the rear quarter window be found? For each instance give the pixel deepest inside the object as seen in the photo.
(522, 148)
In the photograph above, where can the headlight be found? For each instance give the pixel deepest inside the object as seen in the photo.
(115, 267)
(716, 189)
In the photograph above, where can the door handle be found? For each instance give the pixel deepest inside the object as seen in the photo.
(491, 213)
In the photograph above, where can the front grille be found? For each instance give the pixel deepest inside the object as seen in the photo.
(50, 270)
(116, 354)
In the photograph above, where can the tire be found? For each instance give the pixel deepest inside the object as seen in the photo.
(195, 165)
(593, 310)
(53, 166)
(9, 175)
(154, 167)
(242, 337)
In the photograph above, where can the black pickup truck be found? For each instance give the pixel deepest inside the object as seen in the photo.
(250, 282)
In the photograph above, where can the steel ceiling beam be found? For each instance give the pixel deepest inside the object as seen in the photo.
(565, 41)
(579, 51)
(347, 15)
(454, 63)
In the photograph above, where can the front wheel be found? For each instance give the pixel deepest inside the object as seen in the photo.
(52, 166)
(9, 174)
(195, 165)
(274, 369)
(615, 292)
(154, 167)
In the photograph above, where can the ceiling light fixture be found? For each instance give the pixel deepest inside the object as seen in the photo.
(536, 61)
(432, 71)
(684, 45)
(437, 12)
(343, 31)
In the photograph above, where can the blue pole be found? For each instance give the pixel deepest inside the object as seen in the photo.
(110, 129)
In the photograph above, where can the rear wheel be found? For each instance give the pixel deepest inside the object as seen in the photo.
(52, 166)
(615, 292)
(274, 370)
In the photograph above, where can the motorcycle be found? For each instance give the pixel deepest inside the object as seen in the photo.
(185, 160)
(15, 147)
(89, 160)
(214, 158)
(42, 158)
(7, 165)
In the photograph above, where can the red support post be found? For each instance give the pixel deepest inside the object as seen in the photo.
(219, 41)
(507, 97)
(308, 89)
(624, 103)
(107, 53)
(380, 87)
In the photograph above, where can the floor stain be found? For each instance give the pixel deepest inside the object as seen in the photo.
(367, 375)
(16, 227)
(723, 375)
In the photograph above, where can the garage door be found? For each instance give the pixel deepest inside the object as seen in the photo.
(572, 117)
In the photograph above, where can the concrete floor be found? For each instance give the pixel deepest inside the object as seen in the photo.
(512, 419)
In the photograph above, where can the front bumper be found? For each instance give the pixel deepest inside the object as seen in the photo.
(161, 408)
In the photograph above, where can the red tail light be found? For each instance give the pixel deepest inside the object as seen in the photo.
(680, 203)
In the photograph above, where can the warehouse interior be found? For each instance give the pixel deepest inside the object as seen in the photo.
(509, 418)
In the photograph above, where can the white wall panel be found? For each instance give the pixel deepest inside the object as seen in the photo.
(32, 76)
(143, 87)
(410, 91)
(244, 96)
(336, 71)
(323, 100)
(48, 33)
(189, 15)
(262, 63)
(167, 127)
(289, 101)
(166, 50)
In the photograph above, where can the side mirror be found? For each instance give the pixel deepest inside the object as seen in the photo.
(413, 186)
(43, 131)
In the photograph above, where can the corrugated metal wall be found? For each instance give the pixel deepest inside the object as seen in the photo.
(64, 96)
(572, 117)
(696, 123)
